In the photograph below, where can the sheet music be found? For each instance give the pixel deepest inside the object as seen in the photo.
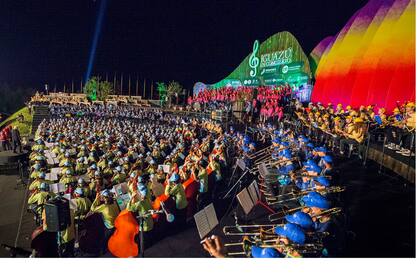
(120, 189)
(51, 177)
(49, 145)
(254, 191)
(123, 200)
(211, 216)
(57, 188)
(245, 201)
(202, 223)
(56, 170)
(166, 168)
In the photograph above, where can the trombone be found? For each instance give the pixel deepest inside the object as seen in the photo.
(247, 243)
(239, 229)
(281, 215)
(296, 195)
(266, 232)
(280, 161)
(260, 152)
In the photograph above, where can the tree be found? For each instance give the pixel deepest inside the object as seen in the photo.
(96, 89)
(174, 89)
(161, 88)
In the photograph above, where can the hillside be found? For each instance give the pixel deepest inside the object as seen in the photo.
(25, 126)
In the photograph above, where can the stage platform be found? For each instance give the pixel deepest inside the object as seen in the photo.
(399, 164)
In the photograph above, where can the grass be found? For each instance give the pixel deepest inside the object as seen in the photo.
(25, 126)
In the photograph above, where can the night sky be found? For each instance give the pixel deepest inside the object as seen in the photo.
(187, 41)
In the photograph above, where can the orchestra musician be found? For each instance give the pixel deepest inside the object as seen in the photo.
(105, 204)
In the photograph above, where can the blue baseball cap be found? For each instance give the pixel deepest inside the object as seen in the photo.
(293, 232)
(106, 193)
(79, 191)
(327, 159)
(44, 186)
(310, 162)
(321, 149)
(314, 199)
(323, 181)
(301, 219)
(287, 154)
(277, 140)
(174, 177)
(310, 145)
(257, 252)
(314, 168)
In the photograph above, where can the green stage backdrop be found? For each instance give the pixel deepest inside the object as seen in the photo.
(278, 60)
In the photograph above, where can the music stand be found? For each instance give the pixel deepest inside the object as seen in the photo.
(250, 197)
(241, 164)
(206, 220)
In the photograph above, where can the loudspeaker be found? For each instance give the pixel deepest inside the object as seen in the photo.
(57, 214)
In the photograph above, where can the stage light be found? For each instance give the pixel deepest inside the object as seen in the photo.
(98, 27)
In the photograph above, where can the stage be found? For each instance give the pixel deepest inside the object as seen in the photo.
(399, 164)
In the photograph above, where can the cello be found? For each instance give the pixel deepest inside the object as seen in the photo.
(122, 243)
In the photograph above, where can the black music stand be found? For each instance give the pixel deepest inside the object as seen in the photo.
(240, 163)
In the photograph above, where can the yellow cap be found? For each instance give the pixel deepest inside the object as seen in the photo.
(349, 117)
(348, 107)
(396, 110)
(358, 120)
(410, 104)
(337, 118)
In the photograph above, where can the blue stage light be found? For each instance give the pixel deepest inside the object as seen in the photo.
(98, 27)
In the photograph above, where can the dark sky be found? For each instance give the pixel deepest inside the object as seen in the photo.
(186, 41)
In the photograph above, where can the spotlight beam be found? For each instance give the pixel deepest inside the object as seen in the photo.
(98, 28)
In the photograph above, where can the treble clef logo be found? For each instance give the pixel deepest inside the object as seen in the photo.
(253, 60)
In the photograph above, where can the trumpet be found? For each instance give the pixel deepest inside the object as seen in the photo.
(281, 215)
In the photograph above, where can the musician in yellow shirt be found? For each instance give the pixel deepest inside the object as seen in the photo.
(354, 133)
(105, 204)
(409, 128)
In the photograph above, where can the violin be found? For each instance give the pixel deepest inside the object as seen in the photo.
(122, 243)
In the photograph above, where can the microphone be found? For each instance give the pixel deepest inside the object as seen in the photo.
(169, 216)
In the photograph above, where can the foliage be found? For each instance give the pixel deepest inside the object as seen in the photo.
(161, 88)
(24, 127)
(174, 88)
(96, 89)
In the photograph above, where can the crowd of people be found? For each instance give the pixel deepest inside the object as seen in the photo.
(263, 103)
(10, 139)
(99, 147)
(340, 127)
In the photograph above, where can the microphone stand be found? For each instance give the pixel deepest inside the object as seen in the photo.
(140, 219)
